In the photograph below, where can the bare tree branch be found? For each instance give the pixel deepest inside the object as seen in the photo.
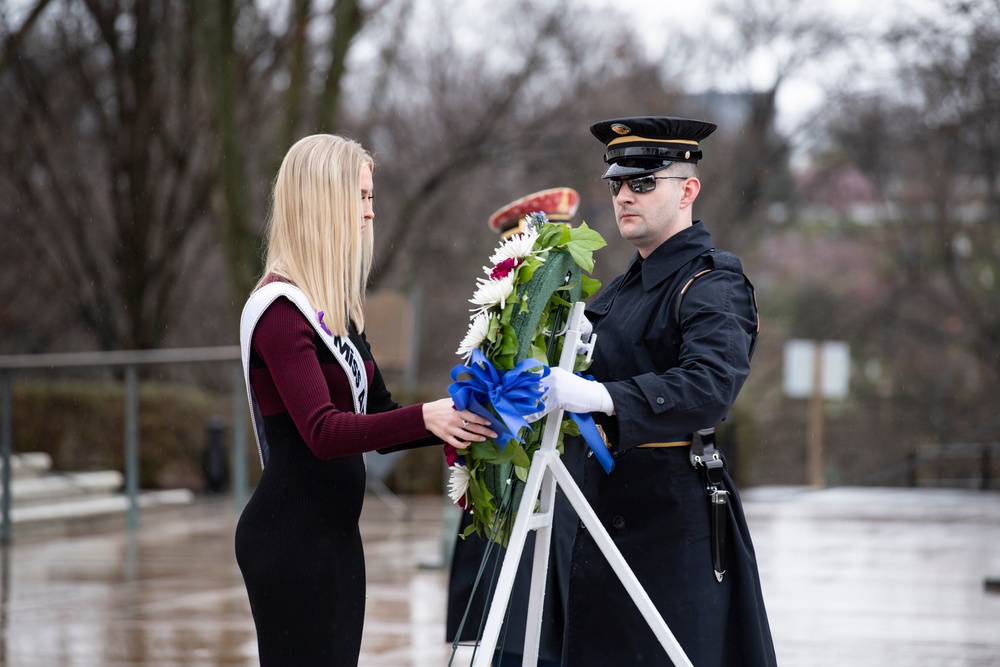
(14, 40)
(348, 19)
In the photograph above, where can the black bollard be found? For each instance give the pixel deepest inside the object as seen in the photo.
(214, 459)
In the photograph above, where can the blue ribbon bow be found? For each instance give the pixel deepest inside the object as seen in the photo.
(513, 394)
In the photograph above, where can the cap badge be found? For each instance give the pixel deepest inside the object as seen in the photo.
(687, 155)
(618, 128)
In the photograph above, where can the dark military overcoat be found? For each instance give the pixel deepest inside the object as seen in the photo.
(670, 374)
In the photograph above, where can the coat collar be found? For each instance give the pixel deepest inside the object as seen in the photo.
(671, 255)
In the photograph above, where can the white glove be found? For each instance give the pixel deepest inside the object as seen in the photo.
(586, 328)
(572, 393)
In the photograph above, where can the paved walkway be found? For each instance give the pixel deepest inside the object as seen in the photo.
(855, 577)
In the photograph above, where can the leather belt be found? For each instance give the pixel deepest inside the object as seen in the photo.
(654, 445)
(647, 445)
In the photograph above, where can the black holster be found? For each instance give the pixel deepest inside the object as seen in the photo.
(706, 459)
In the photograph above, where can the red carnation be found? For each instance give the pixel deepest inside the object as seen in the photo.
(505, 267)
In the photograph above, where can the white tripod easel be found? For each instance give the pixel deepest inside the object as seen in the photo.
(546, 471)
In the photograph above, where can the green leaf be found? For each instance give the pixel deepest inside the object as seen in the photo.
(581, 363)
(549, 236)
(582, 244)
(526, 271)
(586, 238)
(519, 456)
(584, 258)
(486, 451)
(508, 308)
(478, 494)
(520, 304)
(508, 342)
(558, 300)
(589, 285)
(493, 330)
(566, 236)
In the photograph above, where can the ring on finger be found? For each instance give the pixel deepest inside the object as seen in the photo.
(465, 422)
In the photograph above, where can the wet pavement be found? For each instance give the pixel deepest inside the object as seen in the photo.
(855, 577)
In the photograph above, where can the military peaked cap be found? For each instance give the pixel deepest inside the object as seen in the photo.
(558, 205)
(642, 145)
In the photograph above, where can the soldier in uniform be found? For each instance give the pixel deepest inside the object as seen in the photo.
(665, 368)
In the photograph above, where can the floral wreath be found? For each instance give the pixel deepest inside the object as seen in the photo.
(535, 277)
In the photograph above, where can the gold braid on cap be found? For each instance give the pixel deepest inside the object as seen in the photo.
(634, 138)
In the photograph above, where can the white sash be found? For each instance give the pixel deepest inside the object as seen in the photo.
(343, 351)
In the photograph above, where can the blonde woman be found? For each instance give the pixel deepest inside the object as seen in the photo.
(319, 403)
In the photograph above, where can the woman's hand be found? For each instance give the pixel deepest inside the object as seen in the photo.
(458, 428)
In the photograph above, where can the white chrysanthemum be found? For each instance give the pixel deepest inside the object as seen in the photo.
(517, 246)
(474, 337)
(493, 292)
(458, 483)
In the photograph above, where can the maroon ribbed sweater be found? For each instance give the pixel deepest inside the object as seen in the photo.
(317, 395)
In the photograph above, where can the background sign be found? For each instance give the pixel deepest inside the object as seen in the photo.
(801, 366)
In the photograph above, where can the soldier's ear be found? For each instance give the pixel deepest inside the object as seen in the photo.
(689, 191)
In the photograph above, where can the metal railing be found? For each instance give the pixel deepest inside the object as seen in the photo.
(130, 360)
(957, 465)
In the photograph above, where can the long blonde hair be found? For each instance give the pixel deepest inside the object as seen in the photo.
(313, 237)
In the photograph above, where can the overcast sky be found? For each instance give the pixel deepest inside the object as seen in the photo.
(803, 93)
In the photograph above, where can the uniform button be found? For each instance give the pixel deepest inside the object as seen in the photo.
(659, 400)
(618, 522)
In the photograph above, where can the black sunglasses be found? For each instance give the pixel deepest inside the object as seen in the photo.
(639, 184)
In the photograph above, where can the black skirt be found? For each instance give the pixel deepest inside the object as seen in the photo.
(299, 548)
